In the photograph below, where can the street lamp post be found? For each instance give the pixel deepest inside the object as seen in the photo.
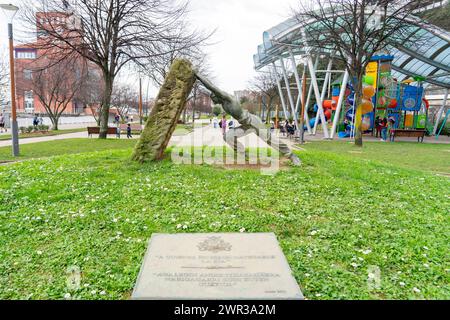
(10, 11)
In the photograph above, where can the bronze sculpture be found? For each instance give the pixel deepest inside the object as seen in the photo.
(248, 122)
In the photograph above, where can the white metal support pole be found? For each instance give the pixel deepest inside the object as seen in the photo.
(297, 80)
(299, 87)
(280, 90)
(308, 99)
(440, 112)
(288, 89)
(339, 104)
(318, 98)
(324, 89)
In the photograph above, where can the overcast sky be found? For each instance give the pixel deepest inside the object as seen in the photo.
(239, 24)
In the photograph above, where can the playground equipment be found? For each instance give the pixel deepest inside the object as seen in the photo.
(384, 97)
(395, 81)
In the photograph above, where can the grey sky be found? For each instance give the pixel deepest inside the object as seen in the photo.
(239, 25)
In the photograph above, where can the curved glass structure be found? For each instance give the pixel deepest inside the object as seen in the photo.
(428, 59)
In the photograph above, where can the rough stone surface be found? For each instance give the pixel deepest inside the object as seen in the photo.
(163, 118)
(215, 266)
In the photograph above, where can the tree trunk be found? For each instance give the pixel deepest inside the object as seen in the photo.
(54, 121)
(358, 113)
(106, 101)
(170, 102)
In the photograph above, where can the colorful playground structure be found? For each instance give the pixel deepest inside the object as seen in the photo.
(383, 97)
(393, 86)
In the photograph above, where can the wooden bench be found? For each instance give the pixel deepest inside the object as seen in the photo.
(419, 134)
(96, 130)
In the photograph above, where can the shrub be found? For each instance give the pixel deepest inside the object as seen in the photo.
(43, 127)
(217, 109)
(30, 129)
(23, 129)
(445, 130)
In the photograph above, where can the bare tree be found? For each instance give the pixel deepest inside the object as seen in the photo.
(4, 79)
(56, 85)
(113, 34)
(266, 84)
(355, 30)
(90, 93)
(123, 99)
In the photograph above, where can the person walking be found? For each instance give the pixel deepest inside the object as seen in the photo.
(215, 122)
(2, 123)
(41, 120)
(129, 131)
(377, 127)
(35, 120)
(224, 124)
(384, 125)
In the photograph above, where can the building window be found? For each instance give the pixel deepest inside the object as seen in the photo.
(26, 55)
(27, 74)
(29, 101)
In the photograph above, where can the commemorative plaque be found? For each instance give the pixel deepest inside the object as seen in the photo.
(219, 266)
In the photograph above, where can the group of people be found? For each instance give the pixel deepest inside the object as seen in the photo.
(223, 123)
(288, 129)
(383, 126)
(38, 120)
(118, 129)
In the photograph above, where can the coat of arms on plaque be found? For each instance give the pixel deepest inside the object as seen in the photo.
(214, 244)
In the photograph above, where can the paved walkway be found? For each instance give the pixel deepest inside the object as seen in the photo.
(5, 143)
(210, 136)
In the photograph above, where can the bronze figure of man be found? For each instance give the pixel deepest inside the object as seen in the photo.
(248, 123)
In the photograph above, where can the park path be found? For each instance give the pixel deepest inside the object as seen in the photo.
(210, 136)
(83, 134)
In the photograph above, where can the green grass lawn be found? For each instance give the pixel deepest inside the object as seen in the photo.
(66, 146)
(421, 156)
(49, 133)
(336, 217)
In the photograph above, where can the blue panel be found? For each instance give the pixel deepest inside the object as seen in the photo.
(411, 98)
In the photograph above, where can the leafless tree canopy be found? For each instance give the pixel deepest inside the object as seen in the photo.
(4, 79)
(56, 85)
(355, 30)
(113, 34)
(265, 83)
(123, 99)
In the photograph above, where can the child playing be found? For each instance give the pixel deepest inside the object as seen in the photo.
(384, 128)
(129, 131)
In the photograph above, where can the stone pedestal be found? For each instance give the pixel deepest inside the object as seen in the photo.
(164, 116)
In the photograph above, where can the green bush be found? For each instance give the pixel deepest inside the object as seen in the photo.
(43, 127)
(445, 130)
(30, 129)
(217, 109)
(23, 129)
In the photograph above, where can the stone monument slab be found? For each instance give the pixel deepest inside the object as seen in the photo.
(215, 266)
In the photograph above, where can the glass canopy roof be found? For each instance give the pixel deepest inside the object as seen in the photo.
(429, 59)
